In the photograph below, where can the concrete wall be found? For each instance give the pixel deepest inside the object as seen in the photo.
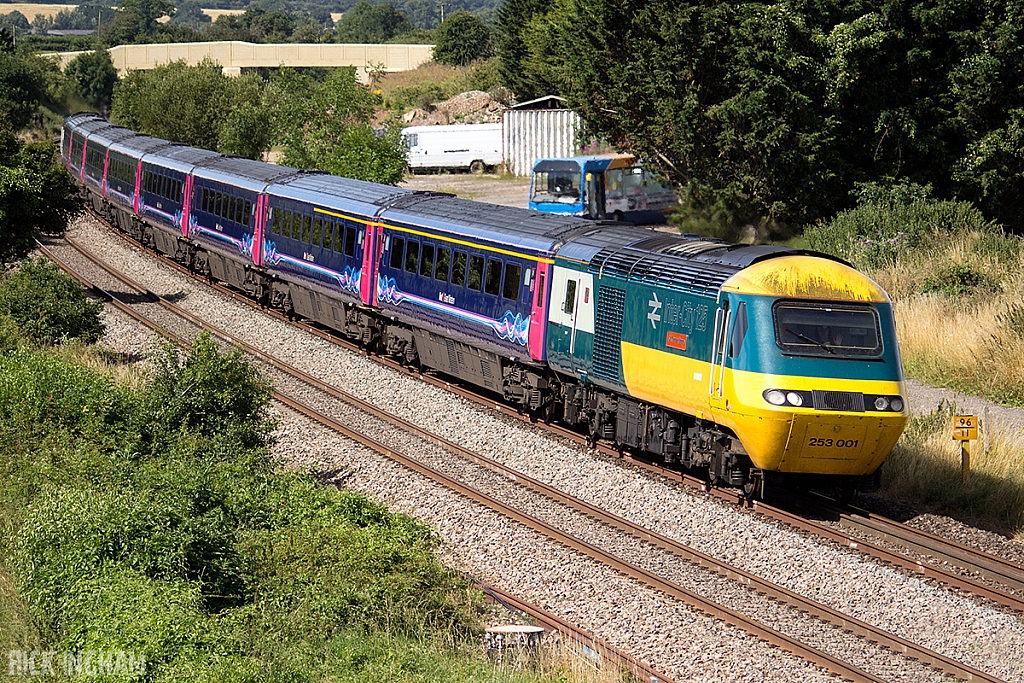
(235, 55)
(534, 134)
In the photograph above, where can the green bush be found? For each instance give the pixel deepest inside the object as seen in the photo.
(957, 280)
(205, 392)
(188, 546)
(889, 222)
(48, 305)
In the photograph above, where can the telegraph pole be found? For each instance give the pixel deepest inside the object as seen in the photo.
(442, 5)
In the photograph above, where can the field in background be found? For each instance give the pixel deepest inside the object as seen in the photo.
(30, 10)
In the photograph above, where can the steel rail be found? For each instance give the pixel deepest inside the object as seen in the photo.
(896, 559)
(642, 671)
(696, 601)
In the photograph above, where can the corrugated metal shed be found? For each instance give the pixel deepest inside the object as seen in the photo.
(532, 133)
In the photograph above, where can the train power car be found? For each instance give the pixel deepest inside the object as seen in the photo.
(749, 362)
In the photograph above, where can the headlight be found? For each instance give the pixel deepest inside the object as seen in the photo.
(881, 403)
(775, 397)
(897, 404)
(795, 398)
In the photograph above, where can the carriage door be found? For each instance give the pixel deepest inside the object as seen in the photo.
(719, 348)
(572, 309)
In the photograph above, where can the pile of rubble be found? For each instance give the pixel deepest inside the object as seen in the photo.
(474, 106)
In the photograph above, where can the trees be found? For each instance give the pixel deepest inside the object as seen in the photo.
(135, 19)
(93, 76)
(328, 127)
(774, 112)
(36, 194)
(22, 87)
(366, 23)
(461, 38)
(193, 104)
(511, 46)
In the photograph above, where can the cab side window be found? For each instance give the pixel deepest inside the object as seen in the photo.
(570, 297)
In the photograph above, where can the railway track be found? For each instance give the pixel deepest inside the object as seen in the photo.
(143, 298)
(927, 555)
(653, 543)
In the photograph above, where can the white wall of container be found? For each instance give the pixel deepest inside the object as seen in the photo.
(535, 134)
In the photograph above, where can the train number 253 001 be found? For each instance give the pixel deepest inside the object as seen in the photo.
(830, 443)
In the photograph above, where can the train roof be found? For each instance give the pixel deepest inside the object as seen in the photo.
(341, 194)
(109, 135)
(180, 157)
(506, 225)
(241, 172)
(686, 261)
(139, 145)
(76, 121)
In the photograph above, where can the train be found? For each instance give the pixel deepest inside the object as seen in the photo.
(747, 363)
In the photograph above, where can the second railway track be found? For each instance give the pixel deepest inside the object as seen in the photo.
(658, 550)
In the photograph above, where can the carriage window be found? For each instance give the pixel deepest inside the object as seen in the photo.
(318, 227)
(218, 202)
(328, 234)
(459, 269)
(540, 290)
(247, 212)
(239, 210)
(412, 257)
(397, 249)
(443, 259)
(179, 195)
(570, 297)
(427, 260)
(206, 200)
(275, 222)
(493, 277)
(165, 183)
(350, 241)
(476, 272)
(511, 288)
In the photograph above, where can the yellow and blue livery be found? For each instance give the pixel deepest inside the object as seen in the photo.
(749, 360)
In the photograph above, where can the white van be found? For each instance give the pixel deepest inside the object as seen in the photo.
(468, 146)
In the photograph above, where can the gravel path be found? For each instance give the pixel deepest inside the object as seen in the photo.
(641, 621)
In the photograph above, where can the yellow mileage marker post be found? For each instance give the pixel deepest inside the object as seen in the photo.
(965, 430)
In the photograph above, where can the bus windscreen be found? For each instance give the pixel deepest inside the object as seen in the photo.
(556, 181)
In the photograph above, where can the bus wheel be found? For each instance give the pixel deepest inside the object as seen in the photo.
(477, 167)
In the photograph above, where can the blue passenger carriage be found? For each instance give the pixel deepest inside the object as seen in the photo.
(164, 192)
(226, 216)
(471, 279)
(320, 242)
(125, 187)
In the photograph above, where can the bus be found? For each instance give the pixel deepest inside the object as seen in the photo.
(607, 186)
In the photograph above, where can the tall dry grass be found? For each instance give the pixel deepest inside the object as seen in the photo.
(970, 339)
(926, 466)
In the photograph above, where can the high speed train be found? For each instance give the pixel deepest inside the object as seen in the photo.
(749, 362)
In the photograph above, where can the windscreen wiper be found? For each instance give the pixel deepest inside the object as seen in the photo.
(813, 341)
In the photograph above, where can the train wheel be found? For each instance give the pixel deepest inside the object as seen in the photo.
(477, 167)
(844, 492)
